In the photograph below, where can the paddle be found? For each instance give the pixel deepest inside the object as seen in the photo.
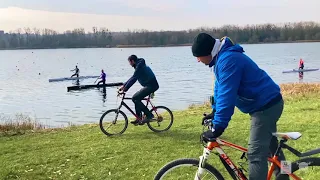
(96, 80)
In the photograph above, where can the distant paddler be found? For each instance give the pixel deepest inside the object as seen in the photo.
(76, 72)
(301, 64)
(102, 77)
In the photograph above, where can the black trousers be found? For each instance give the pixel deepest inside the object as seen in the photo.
(75, 74)
(138, 96)
(102, 81)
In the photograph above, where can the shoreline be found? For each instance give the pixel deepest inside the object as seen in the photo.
(25, 124)
(150, 46)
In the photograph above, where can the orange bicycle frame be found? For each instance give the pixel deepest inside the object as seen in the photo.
(217, 146)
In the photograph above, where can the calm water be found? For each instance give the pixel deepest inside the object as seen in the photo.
(182, 79)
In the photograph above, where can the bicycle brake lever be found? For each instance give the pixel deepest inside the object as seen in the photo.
(207, 122)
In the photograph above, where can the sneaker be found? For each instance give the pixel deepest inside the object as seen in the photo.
(135, 122)
(147, 119)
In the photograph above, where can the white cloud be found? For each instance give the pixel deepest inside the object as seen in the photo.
(155, 5)
(120, 15)
(12, 18)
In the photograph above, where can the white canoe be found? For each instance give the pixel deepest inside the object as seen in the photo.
(300, 70)
(73, 78)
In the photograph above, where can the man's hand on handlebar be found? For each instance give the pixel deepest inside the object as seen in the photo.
(121, 90)
(207, 117)
(212, 132)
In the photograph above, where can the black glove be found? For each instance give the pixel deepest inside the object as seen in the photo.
(212, 133)
(209, 116)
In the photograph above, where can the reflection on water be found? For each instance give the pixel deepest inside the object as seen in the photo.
(103, 94)
(183, 81)
(77, 83)
(300, 76)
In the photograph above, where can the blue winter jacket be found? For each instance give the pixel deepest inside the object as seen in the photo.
(239, 82)
(143, 74)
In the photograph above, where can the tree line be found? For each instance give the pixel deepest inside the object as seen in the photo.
(28, 38)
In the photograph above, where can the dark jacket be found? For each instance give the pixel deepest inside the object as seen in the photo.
(143, 74)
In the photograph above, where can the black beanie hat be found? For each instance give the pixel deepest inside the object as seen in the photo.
(202, 45)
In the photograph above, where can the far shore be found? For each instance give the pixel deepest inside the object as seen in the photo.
(168, 45)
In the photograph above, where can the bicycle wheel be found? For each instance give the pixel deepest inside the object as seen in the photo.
(307, 167)
(187, 173)
(163, 119)
(110, 119)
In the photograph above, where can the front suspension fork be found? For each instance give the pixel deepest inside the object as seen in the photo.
(202, 162)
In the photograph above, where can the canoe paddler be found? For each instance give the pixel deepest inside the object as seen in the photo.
(102, 77)
(76, 72)
(301, 64)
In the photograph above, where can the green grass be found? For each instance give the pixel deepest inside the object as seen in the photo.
(85, 153)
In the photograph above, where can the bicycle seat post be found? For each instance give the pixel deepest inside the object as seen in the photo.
(280, 146)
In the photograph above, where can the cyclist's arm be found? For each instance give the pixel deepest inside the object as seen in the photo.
(230, 72)
(134, 77)
(129, 83)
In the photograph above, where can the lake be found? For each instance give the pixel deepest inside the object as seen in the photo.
(183, 81)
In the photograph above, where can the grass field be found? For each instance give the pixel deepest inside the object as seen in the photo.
(84, 152)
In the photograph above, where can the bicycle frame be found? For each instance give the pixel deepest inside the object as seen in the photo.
(230, 166)
(148, 99)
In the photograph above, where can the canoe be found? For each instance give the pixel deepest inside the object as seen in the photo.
(72, 78)
(300, 70)
(93, 86)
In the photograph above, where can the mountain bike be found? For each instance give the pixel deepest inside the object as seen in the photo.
(162, 121)
(202, 170)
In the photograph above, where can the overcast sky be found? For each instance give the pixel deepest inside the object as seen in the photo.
(120, 15)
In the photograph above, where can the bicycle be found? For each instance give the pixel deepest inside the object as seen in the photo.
(235, 172)
(159, 118)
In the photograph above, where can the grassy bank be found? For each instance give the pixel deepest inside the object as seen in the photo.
(85, 153)
(17, 125)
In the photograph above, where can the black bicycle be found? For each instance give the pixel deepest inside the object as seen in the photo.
(162, 121)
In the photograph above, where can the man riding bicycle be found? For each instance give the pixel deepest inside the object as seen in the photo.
(147, 79)
(241, 83)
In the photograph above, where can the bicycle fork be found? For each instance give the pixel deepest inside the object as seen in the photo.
(202, 162)
(118, 111)
(231, 168)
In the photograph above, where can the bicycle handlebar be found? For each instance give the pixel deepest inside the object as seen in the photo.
(206, 122)
(120, 92)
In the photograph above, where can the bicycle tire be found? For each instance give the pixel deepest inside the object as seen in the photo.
(186, 161)
(295, 166)
(107, 112)
(171, 119)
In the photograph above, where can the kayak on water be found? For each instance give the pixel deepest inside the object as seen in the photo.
(300, 70)
(72, 78)
(93, 86)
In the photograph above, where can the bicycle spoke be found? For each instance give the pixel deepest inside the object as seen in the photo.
(113, 122)
(163, 119)
(184, 171)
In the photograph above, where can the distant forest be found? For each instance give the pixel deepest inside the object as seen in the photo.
(33, 38)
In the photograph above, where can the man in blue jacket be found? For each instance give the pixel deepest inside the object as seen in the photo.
(241, 83)
(148, 80)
